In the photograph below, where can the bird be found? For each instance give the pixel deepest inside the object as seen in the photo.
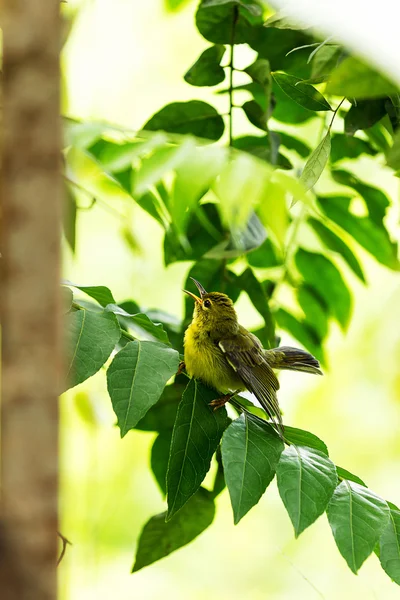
(223, 355)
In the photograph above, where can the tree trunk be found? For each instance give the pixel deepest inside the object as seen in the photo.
(30, 232)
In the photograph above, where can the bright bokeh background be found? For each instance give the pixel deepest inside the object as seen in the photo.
(123, 61)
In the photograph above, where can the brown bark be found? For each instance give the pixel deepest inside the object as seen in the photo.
(29, 296)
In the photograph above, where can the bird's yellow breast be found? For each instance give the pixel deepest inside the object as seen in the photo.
(205, 360)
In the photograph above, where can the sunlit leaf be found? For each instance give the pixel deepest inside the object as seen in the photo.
(197, 432)
(207, 71)
(287, 110)
(302, 93)
(354, 79)
(357, 518)
(141, 324)
(250, 454)
(91, 337)
(273, 211)
(136, 379)
(306, 481)
(393, 156)
(300, 437)
(344, 474)
(389, 545)
(316, 163)
(159, 538)
(100, 293)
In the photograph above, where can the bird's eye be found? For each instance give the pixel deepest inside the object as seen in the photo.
(207, 303)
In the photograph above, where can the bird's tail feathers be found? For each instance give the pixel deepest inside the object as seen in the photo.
(295, 359)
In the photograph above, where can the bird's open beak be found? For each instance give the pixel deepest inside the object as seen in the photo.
(201, 290)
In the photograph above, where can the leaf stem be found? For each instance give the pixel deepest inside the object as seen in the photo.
(231, 70)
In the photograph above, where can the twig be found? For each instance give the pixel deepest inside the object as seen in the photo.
(231, 69)
(65, 543)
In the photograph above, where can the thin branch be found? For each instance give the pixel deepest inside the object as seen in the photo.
(65, 543)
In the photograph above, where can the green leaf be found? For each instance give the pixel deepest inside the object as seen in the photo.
(154, 167)
(344, 474)
(69, 217)
(161, 416)
(118, 156)
(389, 546)
(91, 337)
(207, 71)
(260, 72)
(375, 239)
(240, 241)
(136, 379)
(301, 331)
(300, 437)
(288, 111)
(302, 93)
(344, 146)
(335, 243)
(214, 20)
(197, 432)
(159, 458)
(325, 61)
(253, 288)
(326, 279)
(175, 5)
(280, 21)
(306, 481)
(100, 293)
(274, 44)
(250, 454)
(364, 115)
(195, 117)
(140, 324)
(265, 256)
(354, 79)
(357, 518)
(150, 203)
(256, 114)
(314, 308)
(316, 163)
(159, 538)
(393, 155)
(376, 201)
(292, 143)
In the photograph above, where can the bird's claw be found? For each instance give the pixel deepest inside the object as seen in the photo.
(221, 401)
(181, 367)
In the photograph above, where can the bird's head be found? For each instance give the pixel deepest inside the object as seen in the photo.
(214, 312)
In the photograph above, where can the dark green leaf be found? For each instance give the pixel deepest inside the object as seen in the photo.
(363, 115)
(91, 337)
(260, 72)
(100, 293)
(197, 432)
(301, 331)
(250, 454)
(355, 79)
(207, 71)
(316, 163)
(335, 243)
(253, 288)
(357, 518)
(69, 217)
(392, 106)
(373, 238)
(140, 324)
(195, 117)
(265, 147)
(306, 481)
(314, 308)
(214, 20)
(344, 146)
(299, 437)
(273, 44)
(159, 458)
(389, 546)
(302, 93)
(344, 474)
(379, 136)
(288, 111)
(219, 480)
(393, 156)
(161, 416)
(325, 60)
(159, 538)
(117, 157)
(136, 379)
(265, 256)
(255, 114)
(292, 143)
(326, 279)
(376, 201)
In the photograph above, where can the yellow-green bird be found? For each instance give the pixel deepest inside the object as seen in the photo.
(227, 357)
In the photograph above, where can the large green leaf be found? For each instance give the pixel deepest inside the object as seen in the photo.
(288, 111)
(300, 437)
(257, 115)
(354, 79)
(265, 256)
(344, 474)
(197, 432)
(389, 545)
(335, 243)
(273, 44)
(218, 21)
(326, 279)
(344, 146)
(302, 93)
(100, 293)
(306, 481)
(195, 117)
(136, 379)
(293, 143)
(159, 538)
(91, 337)
(316, 163)
(357, 518)
(140, 324)
(159, 458)
(250, 454)
(161, 416)
(375, 239)
(314, 308)
(250, 284)
(325, 60)
(207, 70)
(375, 200)
(364, 115)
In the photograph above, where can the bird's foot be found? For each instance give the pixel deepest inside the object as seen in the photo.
(181, 367)
(221, 401)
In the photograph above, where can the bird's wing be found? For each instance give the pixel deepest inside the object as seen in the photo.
(245, 355)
